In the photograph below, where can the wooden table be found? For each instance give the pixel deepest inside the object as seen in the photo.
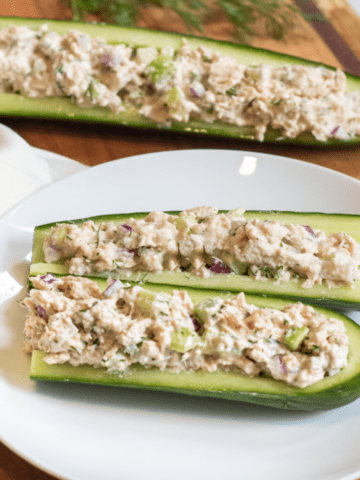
(94, 144)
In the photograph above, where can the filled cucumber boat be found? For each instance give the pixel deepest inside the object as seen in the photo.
(196, 353)
(225, 270)
(192, 90)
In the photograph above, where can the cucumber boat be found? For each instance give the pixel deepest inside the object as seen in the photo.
(345, 297)
(63, 108)
(330, 392)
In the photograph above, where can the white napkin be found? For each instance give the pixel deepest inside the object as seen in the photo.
(25, 170)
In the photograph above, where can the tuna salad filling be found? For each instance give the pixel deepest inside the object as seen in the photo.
(71, 320)
(168, 86)
(204, 242)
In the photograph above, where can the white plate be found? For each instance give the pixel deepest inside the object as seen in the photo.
(84, 432)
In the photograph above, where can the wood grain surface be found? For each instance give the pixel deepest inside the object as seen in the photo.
(95, 144)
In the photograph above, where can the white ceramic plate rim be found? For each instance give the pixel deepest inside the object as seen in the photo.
(84, 432)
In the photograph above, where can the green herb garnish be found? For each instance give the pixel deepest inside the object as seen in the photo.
(279, 16)
(232, 91)
(91, 90)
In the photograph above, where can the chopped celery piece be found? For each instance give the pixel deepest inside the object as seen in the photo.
(184, 222)
(294, 337)
(207, 341)
(203, 309)
(144, 302)
(238, 212)
(146, 54)
(61, 233)
(168, 52)
(237, 267)
(174, 95)
(183, 340)
(159, 68)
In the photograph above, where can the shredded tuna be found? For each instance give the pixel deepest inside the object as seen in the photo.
(168, 86)
(205, 242)
(72, 321)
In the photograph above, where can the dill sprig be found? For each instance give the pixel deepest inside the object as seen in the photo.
(277, 15)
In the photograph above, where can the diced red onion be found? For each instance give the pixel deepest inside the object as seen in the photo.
(196, 323)
(109, 60)
(48, 278)
(283, 368)
(282, 364)
(41, 311)
(113, 286)
(310, 230)
(54, 253)
(129, 252)
(219, 267)
(197, 90)
(294, 371)
(126, 227)
(334, 131)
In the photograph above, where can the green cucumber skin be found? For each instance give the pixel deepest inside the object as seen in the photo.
(329, 393)
(342, 297)
(58, 108)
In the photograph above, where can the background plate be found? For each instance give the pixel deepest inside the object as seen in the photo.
(83, 432)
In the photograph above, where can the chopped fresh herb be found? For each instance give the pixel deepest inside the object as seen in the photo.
(286, 322)
(60, 87)
(232, 91)
(271, 272)
(59, 69)
(278, 16)
(91, 90)
(194, 76)
(97, 241)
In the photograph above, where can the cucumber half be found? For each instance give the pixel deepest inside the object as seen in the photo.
(329, 393)
(61, 108)
(345, 297)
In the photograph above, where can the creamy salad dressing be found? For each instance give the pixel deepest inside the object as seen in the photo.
(73, 321)
(169, 87)
(204, 242)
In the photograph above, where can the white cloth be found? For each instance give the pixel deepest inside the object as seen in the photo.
(25, 170)
(355, 4)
